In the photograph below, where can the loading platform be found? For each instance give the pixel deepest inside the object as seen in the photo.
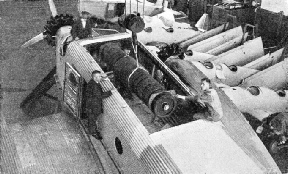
(53, 143)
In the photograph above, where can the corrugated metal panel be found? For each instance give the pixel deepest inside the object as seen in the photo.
(241, 132)
(154, 158)
(234, 122)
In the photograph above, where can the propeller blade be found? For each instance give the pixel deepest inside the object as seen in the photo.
(52, 8)
(33, 40)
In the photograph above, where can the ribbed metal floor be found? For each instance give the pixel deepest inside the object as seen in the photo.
(50, 144)
(45, 144)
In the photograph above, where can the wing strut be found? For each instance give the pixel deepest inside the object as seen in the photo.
(41, 89)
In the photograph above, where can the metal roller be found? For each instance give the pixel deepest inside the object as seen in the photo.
(135, 78)
(241, 55)
(264, 62)
(217, 40)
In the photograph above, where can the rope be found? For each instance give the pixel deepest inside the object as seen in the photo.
(130, 7)
(135, 52)
(137, 7)
(143, 8)
(125, 8)
(130, 75)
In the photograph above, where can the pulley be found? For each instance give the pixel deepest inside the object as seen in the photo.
(54, 24)
(132, 22)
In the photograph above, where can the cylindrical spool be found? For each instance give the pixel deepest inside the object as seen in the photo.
(140, 82)
(162, 104)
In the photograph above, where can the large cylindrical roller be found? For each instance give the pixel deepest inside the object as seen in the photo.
(217, 40)
(228, 45)
(274, 77)
(266, 61)
(260, 102)
(241, 55)
(229, 75)
(186, 43)
(187, 72)
(135, 78)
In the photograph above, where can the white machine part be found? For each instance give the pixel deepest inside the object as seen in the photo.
(260, 102)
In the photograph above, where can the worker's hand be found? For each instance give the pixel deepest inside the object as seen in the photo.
(190, 98)
(202, 104)
(113, 90)
(76, 38)
(180, 96)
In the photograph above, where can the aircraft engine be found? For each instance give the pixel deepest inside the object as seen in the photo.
(54, 24)
(131, 76)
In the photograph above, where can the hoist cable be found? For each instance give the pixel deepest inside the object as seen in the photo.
(135, 51)
(143, 8)
(137, 6)
(130, 6)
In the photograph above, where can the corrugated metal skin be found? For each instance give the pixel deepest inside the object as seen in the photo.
(234, 122)
(110, 132)
(156, 159)
(241, 132)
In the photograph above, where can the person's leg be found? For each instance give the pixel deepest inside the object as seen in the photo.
(99, 123)
(92, 127)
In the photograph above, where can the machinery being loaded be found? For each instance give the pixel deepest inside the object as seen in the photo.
(134, 142)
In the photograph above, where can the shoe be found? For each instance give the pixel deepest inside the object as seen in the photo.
(97, 135)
